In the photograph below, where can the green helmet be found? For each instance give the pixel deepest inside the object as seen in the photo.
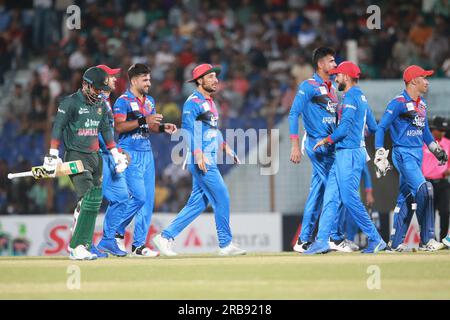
(97, 77)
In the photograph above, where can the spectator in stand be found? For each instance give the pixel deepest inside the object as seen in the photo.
(420, 32)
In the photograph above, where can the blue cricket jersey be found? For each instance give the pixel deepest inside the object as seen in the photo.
(102, 143)
(131, 108)
(407, 121)
(354, 114)
(199, 122)
(316, 101)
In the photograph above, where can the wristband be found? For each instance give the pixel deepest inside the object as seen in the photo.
(162, 127)
(141, 121)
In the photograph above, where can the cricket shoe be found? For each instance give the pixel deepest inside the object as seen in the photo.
(143, 251)
(403, 247)
(164, 245)
(339, 245)
(231, 250)
(446, 241)
(81, 253)
(352, 245)
(318, 247)
(96, 251)
(375, 246)
(301, 246)
(431, 246)
(111, 247)
(120, 239)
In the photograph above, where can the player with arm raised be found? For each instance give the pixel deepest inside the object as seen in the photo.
(199, 124)
(79, 119)
(135, 119)
(316, 102)
(406, 118)
(351, 155)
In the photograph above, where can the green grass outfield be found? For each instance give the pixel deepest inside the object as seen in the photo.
(286, 275)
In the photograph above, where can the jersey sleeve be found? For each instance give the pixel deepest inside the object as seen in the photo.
(120, 109)
(154, 105)
(366, 177)
(393, 110)
(192, 129)
(106, 130)
(427, 136)
(62, 118)
(370, 121)
(347, 119)
(304, 94)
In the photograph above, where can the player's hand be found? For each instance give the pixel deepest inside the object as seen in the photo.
(120, 160)
(170, 128)
(322, 142)
(154, 118)
(441, 156)
(51, 162)
(370, 200)
(202, 161)
(296, 155)
(381, 162)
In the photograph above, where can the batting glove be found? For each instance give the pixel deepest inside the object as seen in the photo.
(381, 162)
(51, 161)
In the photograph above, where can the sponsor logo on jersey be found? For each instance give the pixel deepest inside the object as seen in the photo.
(331, 106)
(61, 110)
(329, 120)
(87, 132)
(363, 98)
(134, 106)
(323, 90)
(410, 106)
(83, 111)
(419, 121)
(91, 123)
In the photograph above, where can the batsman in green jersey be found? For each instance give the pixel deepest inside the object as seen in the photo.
(80, 118)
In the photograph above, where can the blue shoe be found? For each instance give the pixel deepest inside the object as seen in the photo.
(94, 250)
(375, 246)
(111, 247)
(318, 247)
(446, 240)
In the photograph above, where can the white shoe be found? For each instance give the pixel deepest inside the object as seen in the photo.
(144, 252)
(300, 246)
(432, 245)
(120, 242)
(164, 245)
(81, 253)
(352, 245)
(402, 248)
(340, 245)
(231, 250)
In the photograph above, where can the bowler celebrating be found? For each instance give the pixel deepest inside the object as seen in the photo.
(351, 155)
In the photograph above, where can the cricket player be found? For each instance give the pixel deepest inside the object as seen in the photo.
(347, 228)
(316, 102)
(79, 119)
(135, 118)
(406, 118)
(345, 176)
(199, 124)
(115, 188)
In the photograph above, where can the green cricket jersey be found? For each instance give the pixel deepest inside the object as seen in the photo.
(79, 124)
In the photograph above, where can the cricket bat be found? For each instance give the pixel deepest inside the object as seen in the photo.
(63, 169)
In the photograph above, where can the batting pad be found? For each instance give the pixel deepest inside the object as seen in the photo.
(84, 229)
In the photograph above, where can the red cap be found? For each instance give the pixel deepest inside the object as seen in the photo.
(415, 71)
(108, 70)
(203, 69)
(348, 68)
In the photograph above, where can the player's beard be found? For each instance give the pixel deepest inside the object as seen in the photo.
(144, 91)
(341, 86)
(208, 88)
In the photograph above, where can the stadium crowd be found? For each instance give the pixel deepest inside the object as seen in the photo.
(264, 48)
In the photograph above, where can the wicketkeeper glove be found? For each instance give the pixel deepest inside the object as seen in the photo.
(120, 159)
(438, 152)
(381, 162)
(51, 161)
